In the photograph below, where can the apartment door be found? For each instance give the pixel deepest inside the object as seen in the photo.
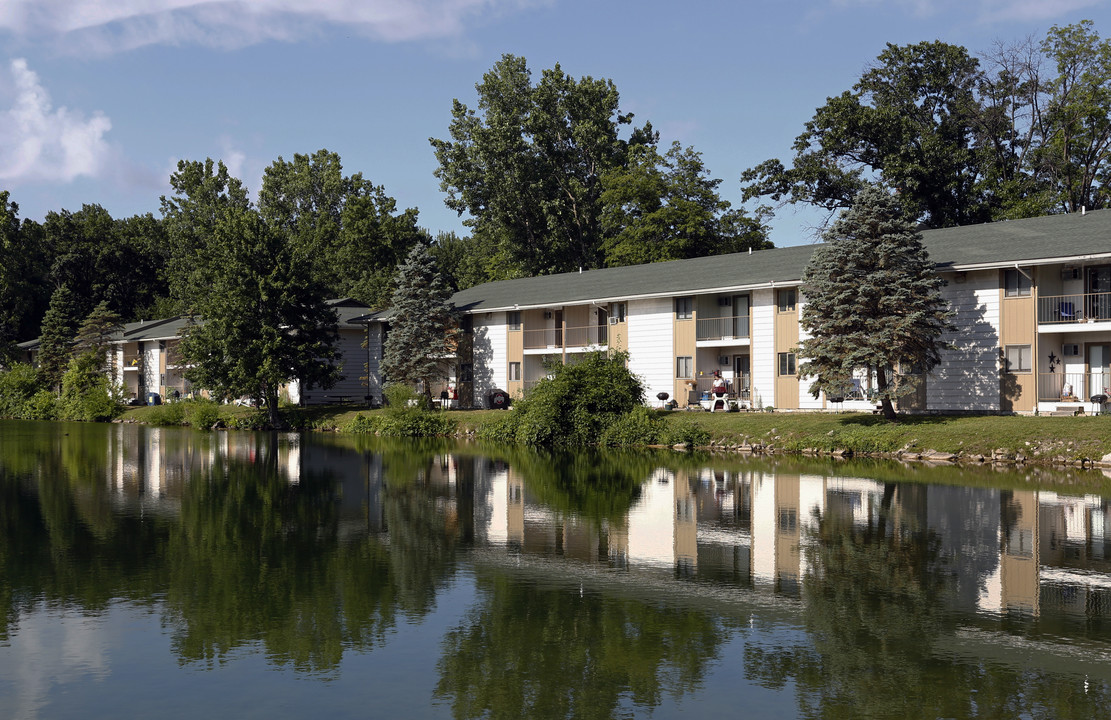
(1099, 289)
(1099, 369)
(742, 377)
(740, 317)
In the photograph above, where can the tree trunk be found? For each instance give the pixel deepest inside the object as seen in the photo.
(882, 384)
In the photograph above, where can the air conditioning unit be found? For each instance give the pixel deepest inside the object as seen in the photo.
(1070, 272)
(547, 314)
(614, 321)
(725, 302)
(1070, 350)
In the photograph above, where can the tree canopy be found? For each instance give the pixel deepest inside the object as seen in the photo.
(264, 320)
(873, 302)
(550, 184)
(962, 144)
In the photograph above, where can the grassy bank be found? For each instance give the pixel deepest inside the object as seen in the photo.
(1034, 439)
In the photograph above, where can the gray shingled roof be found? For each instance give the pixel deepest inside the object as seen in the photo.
(1000, 244)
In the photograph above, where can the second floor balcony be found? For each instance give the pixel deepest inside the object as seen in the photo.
(1077, 308)
(559, 338)
(722, 328)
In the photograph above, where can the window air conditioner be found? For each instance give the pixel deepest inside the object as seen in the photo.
(614, 321)
(1070, 350)
(547, 314)
(724, 302)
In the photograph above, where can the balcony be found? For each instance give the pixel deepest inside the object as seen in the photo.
(573, 337)
(1081, 386)
(724, 328)
(132, 361)
(1079, 308)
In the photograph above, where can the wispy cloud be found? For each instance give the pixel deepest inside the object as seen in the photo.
(39, 142)
(991, 11)
(107, 27)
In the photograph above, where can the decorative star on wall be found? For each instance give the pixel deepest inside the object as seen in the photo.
(1052, 358)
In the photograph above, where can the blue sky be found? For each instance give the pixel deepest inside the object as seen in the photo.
(100, 99)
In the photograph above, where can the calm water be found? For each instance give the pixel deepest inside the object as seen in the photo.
(177, 574)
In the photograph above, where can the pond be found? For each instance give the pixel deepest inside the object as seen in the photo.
(171, 573)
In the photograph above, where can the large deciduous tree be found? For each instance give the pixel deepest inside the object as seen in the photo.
(910, 121)
(264, 319)
(666, 207)
(873, 302)
(24, 294)
(527, 167)
(423, 329)
(350, 227)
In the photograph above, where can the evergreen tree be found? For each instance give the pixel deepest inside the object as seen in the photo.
(873, 302)
(59, 326)
(96, 331)
(422, 331)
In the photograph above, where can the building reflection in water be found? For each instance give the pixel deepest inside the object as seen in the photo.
(1013, 552)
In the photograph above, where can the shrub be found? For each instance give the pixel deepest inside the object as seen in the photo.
(575, 405)
(640, 426)
(165, 415)
(19, 394)
(86, 393)
(406, 415)
(200, 414)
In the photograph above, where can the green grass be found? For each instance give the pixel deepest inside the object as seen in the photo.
(1038, 439)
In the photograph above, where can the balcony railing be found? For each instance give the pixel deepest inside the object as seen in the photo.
(1073, 387)
(132, 361)
(1081, 307)
(576, 337)
(724, 328)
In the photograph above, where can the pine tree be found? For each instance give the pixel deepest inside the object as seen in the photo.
(422, 332)
(96, 331)
(59, 326)
(873, 302)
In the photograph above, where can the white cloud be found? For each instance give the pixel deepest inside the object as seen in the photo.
(39, 142)
(983, 11)
(107, 26)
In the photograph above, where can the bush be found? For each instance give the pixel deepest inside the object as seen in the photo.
(86, 393)
(406, 415)
(165, 415)
(574, 406)
(200, 414)
(640, 426)
(23, 396)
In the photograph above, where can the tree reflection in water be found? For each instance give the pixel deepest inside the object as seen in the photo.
(527, 651)
(876, 599)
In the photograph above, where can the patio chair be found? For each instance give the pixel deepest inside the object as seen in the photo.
(1067, 311)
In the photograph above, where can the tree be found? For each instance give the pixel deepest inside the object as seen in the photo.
(658, 208)
(423, 330)
(347, 225)
(910, 122)
(59, 326)
(23, 296)
(873, 302)
(96, 331)
(528, 166)
(264, 319)
(204, 192)
(1075, 150)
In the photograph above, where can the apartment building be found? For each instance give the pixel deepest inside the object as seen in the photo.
(1031, 300)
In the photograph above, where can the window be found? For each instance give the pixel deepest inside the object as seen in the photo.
(786, 363)
(785, 299)
(514, 371)
(684, 366)
(684, 308)
(617, 311)
(1017, 358)
(513, 319)
(1015, 283)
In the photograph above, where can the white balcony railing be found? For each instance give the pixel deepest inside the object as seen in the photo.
(723, 328)
(1081, 307)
